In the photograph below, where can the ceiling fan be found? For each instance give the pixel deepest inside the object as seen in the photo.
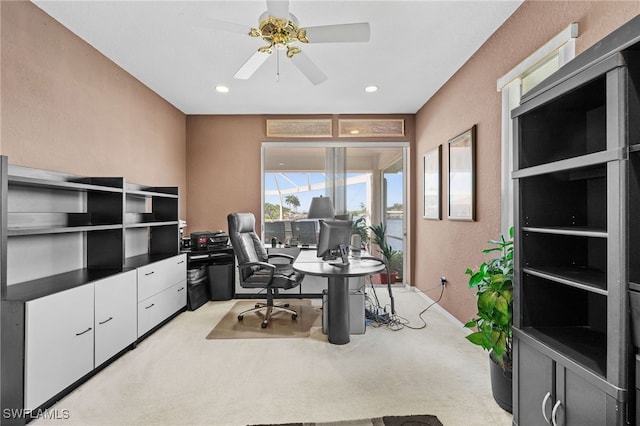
(280, 30)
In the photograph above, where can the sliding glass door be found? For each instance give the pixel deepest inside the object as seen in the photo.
(364, 180)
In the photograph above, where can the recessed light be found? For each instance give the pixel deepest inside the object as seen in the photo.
(371, 89)
(222, 89)
(354, 132)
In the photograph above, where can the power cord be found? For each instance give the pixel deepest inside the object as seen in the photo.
(379, 316)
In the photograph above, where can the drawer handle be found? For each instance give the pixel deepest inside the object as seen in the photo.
(544, 407)
(149, 273)
(182, 261)
(83, 332)
(181, 288)
(106, 321)
(150, 306)
(554, 413)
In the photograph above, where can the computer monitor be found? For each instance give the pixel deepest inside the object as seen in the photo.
(333, 233)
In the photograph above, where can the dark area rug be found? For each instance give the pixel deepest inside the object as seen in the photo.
(413, 420)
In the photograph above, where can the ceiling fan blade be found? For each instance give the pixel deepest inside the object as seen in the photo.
(251, 66)
(359, 32)
(278, 8)
(308, 68)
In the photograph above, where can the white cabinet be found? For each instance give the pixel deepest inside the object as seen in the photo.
(58, 342)
(158, 276)
(115, 315)
(157, 308)
(162, 291)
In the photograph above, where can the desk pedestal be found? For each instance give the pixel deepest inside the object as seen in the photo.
(339, 325)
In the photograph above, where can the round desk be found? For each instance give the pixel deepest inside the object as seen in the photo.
(338, 296)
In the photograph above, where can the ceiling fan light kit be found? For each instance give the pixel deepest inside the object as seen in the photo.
(280, 30)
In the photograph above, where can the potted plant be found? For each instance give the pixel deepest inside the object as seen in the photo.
(360, 228)
(493, 282)
(388, 253)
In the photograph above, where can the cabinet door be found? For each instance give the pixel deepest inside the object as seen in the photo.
(579, 402)
(115, 315)
(535, 391)
(58, 343)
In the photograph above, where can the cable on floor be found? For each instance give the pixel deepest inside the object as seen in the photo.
(379, 316)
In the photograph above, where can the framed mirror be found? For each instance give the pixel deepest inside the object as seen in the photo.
(462, 179)
(432, 184)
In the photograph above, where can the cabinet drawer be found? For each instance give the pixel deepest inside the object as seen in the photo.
(58, 342)
(157, 308)
(115, 315)
(158, 276)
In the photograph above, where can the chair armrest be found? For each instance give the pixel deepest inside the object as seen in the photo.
(261, 264)
(282, 255)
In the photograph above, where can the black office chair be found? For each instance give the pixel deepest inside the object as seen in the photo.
(254, 269)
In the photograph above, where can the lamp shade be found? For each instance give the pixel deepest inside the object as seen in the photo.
(321, 208)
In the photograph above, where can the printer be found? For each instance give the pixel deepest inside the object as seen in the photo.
(208, 240)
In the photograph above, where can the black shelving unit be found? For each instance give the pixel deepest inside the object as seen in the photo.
(577, 204)
(63, 243)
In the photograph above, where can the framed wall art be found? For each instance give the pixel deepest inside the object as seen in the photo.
(432, 184)
(462, 179)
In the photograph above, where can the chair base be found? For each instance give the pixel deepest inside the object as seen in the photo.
(269, 307)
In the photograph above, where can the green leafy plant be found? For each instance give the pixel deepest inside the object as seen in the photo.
(379, 239)
(360, 227)
(395, 264)
(493, 282)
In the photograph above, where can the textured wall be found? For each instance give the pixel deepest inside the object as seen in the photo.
(66, 107)
(224, 164)
(470, 97)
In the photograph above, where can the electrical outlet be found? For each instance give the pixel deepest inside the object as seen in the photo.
(443, 281)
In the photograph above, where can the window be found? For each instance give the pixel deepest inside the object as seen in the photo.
(513, 85)
(363, 179)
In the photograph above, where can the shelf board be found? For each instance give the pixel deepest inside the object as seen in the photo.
(148, 224)
(570, 231)
(570, 163)
(60, 184)
(584, 345)
(582, 278)
(634, 148)
(19, 231)
(34, 289)
(145, 259)
(146, 194)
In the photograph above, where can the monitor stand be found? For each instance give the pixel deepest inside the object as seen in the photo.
(343, 259)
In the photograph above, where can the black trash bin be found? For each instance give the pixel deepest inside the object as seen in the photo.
(197, 288)
(221, 281)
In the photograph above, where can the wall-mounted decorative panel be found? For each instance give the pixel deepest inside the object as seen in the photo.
(303, 128)
(371, 127)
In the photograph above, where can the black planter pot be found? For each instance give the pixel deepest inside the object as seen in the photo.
(501, 385)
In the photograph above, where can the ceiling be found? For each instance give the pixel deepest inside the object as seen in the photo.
(183, 49)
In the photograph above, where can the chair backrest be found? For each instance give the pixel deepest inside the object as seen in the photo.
(245, 241)
(274, 229)
(305, 232)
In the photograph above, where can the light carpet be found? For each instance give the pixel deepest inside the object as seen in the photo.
(177, 377)
(281, 325)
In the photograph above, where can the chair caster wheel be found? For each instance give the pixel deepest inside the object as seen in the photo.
(294, 316)
(240, 317)
(256, 306)
(286, 305)
(264, 324)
